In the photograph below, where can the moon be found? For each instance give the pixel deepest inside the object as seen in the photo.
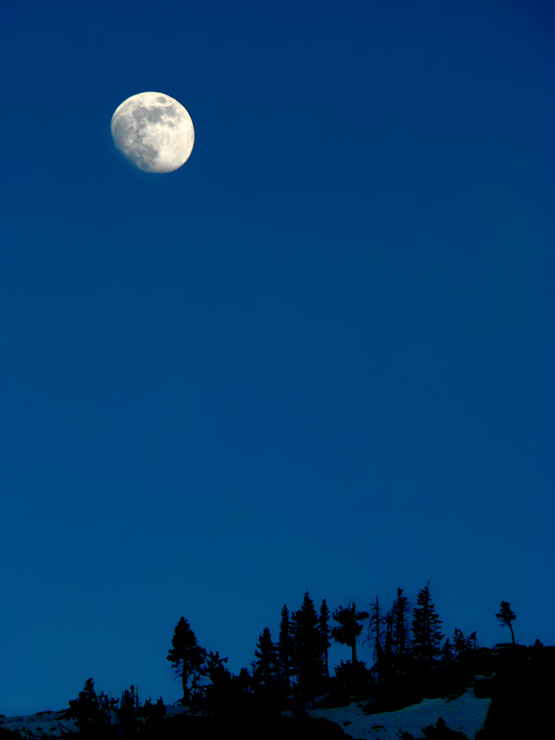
(153, 131)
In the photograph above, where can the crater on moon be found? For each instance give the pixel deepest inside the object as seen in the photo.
(153, 131)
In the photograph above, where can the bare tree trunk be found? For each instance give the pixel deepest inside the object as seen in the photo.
(186, 692)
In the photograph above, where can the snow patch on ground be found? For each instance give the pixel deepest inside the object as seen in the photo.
(466, 714)
(41, 725)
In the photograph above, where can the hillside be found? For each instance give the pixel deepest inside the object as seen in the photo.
(511, 698)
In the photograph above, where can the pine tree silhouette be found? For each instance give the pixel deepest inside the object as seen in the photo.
(325, 633)
(462, 644)
(350, 627)
(285, 647)
(93, 713)
(266, 663)
(400, 614)
(128, 713)
(426, 628)
(187, 658)
(447, 653)
(375, 636)
(507, 616)
(307, 651)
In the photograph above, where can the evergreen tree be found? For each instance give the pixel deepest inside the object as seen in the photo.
(350, 627)
(153, 716)
(218, 692)
(215, 668)
(307, 650)
(388, 641)
(462, 644)
(128, 712)
(400, 613)
(507, 616)
(285, 647)
(187, 658)
(244, 681)
(265, 665)
(93, 713)
(375, 636)
(447, 652)
(87, 705)
(325, 633)
(426, 628)
(86, 709)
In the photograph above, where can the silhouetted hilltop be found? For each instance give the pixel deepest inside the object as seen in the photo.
(419, 681)
(522, 691)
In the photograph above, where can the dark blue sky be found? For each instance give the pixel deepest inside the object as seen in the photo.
(318, 356)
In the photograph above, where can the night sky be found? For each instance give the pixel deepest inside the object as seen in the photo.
(318, 356)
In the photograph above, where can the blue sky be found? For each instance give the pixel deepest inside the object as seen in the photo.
(318, 356)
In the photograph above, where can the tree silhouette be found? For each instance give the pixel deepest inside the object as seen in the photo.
(462, 644)
(128, 712)
(285, 646)
(426, 628)
(388, 641)
(266, 663)
(507, 616)
(93, 712)
(349, 626)
(375, 635)
(325, 633)
(153, 716)
(187, 658)
(400, 614)
(219, 691)
(447, 652)
(307, 651)
(215, 668)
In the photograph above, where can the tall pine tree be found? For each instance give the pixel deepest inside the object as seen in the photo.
(285, 647)
(375, 636)
(266, 663)
(426, 628)
(307, 650)
(325, 634)
(388, 642)
(187, 658)
(400, 632)
(507, 616)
